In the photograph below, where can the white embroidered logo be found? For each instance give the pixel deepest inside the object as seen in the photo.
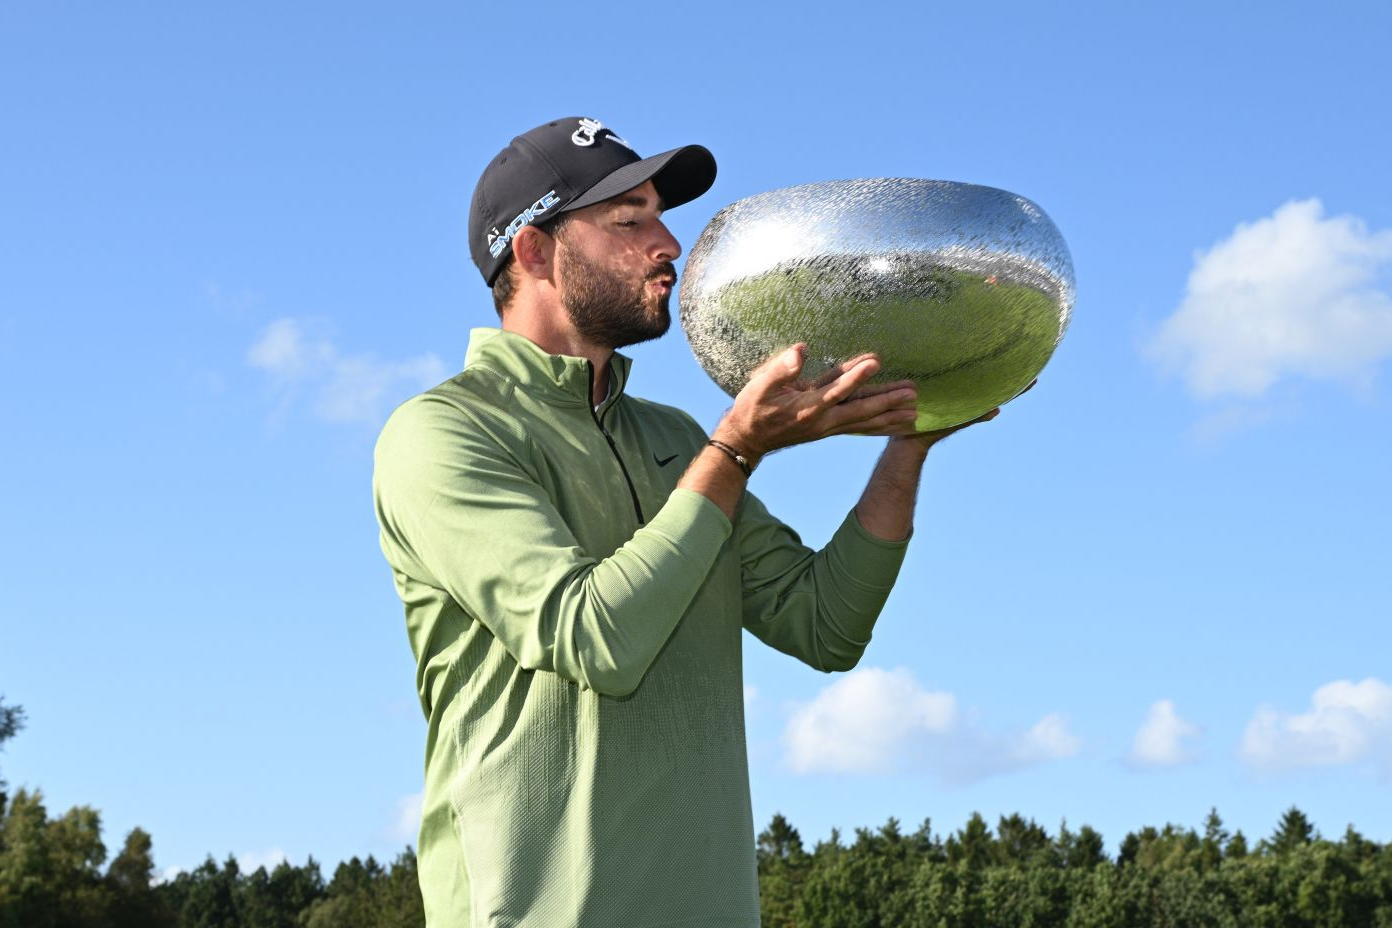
(587, 133)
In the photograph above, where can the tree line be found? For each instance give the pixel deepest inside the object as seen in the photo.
(54, 873)
(1020, 875)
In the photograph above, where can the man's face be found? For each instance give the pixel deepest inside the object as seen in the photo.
(615, 271)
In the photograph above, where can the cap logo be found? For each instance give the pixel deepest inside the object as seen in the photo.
(498, 241)
(587, 133)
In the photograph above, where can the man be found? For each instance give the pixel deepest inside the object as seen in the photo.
(577, 564)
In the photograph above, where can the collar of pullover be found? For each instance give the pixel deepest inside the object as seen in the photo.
(557, 378)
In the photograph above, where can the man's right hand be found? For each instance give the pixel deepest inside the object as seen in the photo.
(776, 409)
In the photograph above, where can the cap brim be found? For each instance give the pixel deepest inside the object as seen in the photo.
(680, 176)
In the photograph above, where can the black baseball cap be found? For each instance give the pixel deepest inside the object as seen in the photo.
(568, 164)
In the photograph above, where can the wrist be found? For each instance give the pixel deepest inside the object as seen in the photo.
(910, 447)
(735, 455)
(728, 433)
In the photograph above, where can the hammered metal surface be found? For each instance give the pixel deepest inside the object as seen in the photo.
(966, 290)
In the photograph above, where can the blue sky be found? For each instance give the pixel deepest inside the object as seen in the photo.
(233, 239)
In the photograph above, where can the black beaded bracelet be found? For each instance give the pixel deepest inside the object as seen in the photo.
(734, 455)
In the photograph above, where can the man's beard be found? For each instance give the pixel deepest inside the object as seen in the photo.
(606, 309)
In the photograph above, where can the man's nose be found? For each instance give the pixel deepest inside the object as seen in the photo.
(665, 246)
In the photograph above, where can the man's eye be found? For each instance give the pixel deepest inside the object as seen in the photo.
(626, 222)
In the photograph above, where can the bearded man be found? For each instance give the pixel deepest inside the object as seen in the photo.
(577, 564)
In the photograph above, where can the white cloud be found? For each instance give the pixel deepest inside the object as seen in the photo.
(300, 357)
(1295, 294)
(1049, 739)
(406, 822)
(287, 351)
(360, 386)
(1347, 723)
(1164, 738)
(859, 723)
(251, 861)
(873, 721)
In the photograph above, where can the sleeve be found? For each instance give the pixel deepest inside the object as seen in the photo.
(818, 606)
(462, 508)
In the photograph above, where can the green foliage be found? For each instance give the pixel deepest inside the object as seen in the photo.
(11, 721)
(1294, 831)
(1019, 875)
(365, 895)
(50, 870)
(130, 880)
(276, 899)
(51, 876)
(783, 867)
(362, 894)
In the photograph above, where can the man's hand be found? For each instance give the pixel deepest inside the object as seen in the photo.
(926, 440)
(777, 410)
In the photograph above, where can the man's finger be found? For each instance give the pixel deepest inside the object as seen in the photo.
(850, 413)
(850, 381)
(836, 370)
(874, 389)
(894, 422)
(783, 367)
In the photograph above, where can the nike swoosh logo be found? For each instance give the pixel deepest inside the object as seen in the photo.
(663, 462)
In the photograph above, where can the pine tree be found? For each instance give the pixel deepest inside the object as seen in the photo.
(780, 840)
(1237, 847)
(276, 899)
(11, 721)
(1018, 841)
(1081, 851)
(78, 853)
(973, 845)
(1214, 840)
(398, 900)
(1294, 831)
(28, 884)
(129, 883)
(783, 866)
(207, 897)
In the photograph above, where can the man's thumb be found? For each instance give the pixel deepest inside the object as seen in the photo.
(780, 368)
(791, 361)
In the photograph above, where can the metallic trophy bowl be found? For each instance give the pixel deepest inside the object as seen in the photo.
(965, 290)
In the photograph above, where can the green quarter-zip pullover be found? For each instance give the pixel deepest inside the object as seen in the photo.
(576, 623)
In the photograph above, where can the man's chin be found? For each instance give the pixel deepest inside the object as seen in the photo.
(637, 336)
(614, 322)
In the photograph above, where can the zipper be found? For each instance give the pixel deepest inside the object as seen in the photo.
(599, 421)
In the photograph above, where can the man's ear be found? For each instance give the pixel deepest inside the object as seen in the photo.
(535, 252)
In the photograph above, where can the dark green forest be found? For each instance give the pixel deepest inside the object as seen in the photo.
(55, 873)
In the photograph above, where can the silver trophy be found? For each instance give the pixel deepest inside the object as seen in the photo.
(965, 290)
